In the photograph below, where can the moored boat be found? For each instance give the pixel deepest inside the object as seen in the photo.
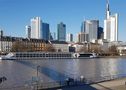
(46, 55)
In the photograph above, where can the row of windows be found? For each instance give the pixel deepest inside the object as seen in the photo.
(43, 55)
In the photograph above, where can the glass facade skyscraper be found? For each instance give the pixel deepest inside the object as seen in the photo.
(61, 32)
(100, 33)
(45, 31)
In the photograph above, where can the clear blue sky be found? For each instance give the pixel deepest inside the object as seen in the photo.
(16, 14)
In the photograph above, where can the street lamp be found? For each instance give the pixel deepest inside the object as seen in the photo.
(37, 75)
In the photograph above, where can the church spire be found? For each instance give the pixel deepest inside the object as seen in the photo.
(107, 10)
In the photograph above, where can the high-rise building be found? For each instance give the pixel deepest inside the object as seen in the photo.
(83, 27)
(61, 32)
(53, 36)
(36, 28)
(69, 37)
(1, 32)
(83, 37)
(100, 33)
(28, 31)
(91, 28)
(45, 31)
(110, 25)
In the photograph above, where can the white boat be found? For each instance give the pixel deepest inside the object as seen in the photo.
(85, 55)
(45, 55)
(36, 55)
(8, 56)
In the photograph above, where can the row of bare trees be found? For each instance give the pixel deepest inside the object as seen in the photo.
(91, 48)
(20, 46)
(96, 48)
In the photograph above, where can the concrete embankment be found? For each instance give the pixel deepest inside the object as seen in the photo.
(119, 84)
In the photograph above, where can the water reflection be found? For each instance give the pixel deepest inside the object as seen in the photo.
(53, 70)
(108, 67)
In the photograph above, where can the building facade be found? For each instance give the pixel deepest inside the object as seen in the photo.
(28, 31)
(100, 33)
(83, 37)
(52, 36)
(36, 28)
(18, 44)
(60, 46)
(69, 37)
(61, 32)
(91, 28)
(45, 31)
(111, 26)
(83, 27)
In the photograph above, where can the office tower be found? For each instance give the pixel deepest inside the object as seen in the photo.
(28, 31)
(91, 28)
(83, 27)
(69, 37)
(36, 28)
(83, 37)
(100, 33)
(61, 32)
(110, 25)
(1, 32)
(53, 36)
(45, 31)
(107, 10)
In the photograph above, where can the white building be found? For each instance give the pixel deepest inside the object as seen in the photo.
(69, 37)
(60, 46)
(83, 37)
(91, 28)
(111, 26)
(36, 28)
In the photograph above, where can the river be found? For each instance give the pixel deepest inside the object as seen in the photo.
(25, 71)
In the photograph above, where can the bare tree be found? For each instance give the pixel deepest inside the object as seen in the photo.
(49, 48)
(18, 46)
(84, 49)
(113, 50)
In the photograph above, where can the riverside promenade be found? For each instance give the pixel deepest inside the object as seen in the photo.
(118, 84)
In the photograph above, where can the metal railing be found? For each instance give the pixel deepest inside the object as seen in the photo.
(36, 85)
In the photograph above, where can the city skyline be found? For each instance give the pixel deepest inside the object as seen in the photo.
(16, 14)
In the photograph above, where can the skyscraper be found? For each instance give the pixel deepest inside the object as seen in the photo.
(110, 25)
(83, 37)
(91, 28)
(36, 28)
(45, 31)
(69, 37)
(100, 33)
(61, 32)
(28, 31)
(83, 27)
(53, 36)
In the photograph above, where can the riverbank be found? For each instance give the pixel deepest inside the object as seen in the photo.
(118, 84)
(112, 56)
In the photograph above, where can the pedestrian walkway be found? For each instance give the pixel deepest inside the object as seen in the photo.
(119, 84)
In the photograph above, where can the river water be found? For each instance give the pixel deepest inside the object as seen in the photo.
(25, 71)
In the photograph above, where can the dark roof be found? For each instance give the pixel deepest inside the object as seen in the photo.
(9, 38)
(58, 42)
